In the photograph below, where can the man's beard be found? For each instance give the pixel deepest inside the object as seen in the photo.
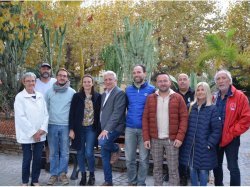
(45, 75)
(138, 80)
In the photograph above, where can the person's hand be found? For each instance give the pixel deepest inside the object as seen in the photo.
(147, 144)
(103, 134)
(72, 134)
(41, 132)
(177, 143)
(37, 136)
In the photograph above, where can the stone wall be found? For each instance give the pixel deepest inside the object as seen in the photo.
(9, 145)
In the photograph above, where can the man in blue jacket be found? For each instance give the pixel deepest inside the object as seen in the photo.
(136, 96)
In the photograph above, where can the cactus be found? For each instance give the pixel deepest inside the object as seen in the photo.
(135, 46)
(58, 40)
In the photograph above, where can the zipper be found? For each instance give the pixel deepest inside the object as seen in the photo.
(192, 147)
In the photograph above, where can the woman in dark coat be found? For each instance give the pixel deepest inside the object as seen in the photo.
(198, 151)
(84, 126)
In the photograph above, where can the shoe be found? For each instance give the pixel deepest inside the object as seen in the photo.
(107, 184)
(115, 156)
(64, 179)
(183, 181)
(34, 184)
(132, 184)
(52, 180)
(83, 179)
(91, 180)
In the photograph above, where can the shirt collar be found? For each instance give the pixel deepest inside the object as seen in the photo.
(170, 92)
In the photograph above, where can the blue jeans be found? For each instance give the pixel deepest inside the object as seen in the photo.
(133, 139)
(107, 147)
(88, 137)
(232, 151)
(198, 175)
(58, 139)
(32, 152)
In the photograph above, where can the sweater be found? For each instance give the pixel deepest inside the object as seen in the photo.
(58, 104)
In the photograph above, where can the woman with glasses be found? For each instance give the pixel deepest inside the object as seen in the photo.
(31, 124)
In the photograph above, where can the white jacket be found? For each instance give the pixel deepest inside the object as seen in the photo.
(30, 116)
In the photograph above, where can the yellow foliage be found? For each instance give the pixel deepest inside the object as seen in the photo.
(11, 36)
(1, 46)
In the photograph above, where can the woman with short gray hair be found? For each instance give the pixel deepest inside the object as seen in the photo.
(31, 124)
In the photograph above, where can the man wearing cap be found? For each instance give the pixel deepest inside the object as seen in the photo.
(44, 83)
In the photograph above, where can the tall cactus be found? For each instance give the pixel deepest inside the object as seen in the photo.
(51, 44)
(135, 46)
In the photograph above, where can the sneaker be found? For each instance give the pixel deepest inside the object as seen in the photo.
(64, 179)
(52, 180)
(115, 156)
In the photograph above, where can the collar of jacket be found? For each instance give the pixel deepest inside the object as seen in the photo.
(26, 94)
(142, 86)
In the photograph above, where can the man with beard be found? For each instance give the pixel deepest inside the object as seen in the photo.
(164, 127)
(44, 83)
(58, 100)
(136, 96)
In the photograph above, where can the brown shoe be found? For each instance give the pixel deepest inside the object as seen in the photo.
(115, 156)
(52, 180)
(64, 179)
(107, 184)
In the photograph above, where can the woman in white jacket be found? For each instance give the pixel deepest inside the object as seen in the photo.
(31, 123)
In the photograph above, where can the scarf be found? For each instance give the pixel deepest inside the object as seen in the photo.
(58, 88)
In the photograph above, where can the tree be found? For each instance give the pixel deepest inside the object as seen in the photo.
(222, 52)
(16, 36)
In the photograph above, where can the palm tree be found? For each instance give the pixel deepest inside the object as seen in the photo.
(221, 52)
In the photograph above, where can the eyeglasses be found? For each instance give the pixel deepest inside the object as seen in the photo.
(30, 81)
(60, 75)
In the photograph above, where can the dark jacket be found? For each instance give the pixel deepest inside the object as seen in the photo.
(204, 129)
(76, 115)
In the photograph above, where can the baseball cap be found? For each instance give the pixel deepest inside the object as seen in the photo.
(45, 64)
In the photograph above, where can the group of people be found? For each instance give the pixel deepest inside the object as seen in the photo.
(191, 129)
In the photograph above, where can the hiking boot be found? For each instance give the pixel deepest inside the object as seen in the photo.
(52, 180)
(64, 179)
(83, 179)
(91, 180)
(115, 156)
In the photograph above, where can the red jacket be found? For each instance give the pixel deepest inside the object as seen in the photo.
(178, 118)
(237, 116)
